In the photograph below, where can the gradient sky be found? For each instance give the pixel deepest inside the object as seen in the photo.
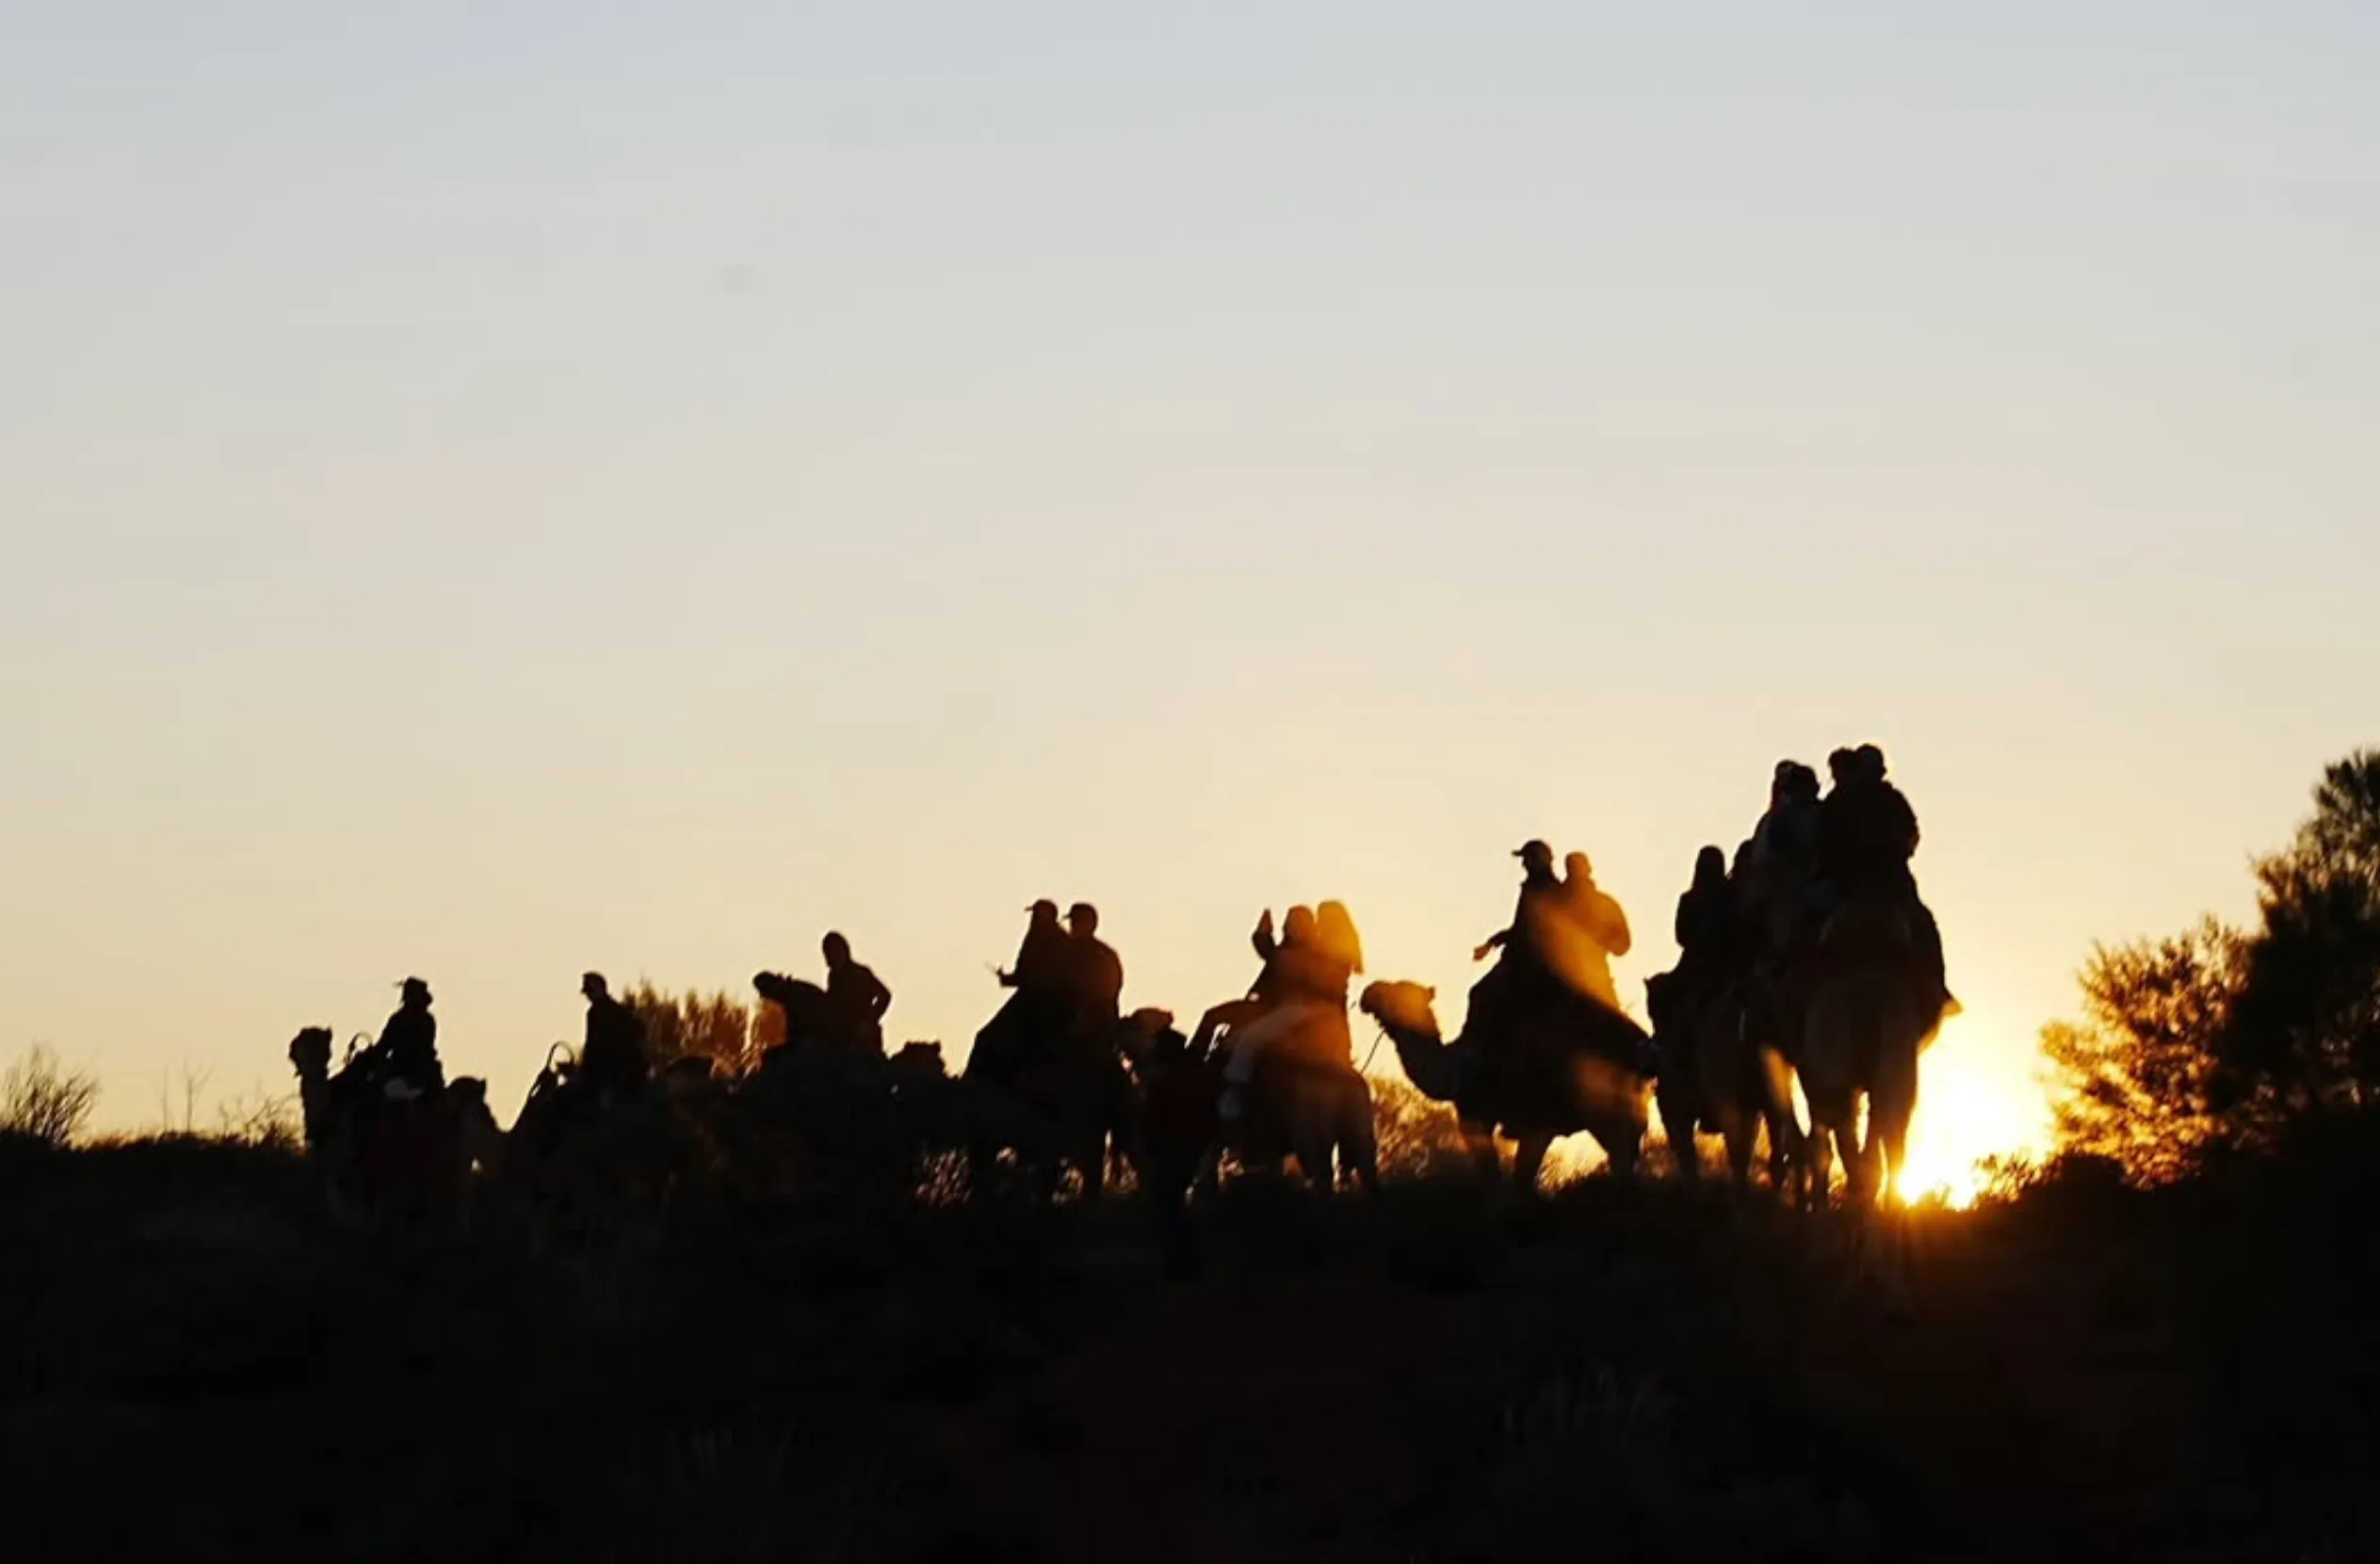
(491, 490)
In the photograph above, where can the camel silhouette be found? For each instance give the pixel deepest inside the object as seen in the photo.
(1579, 1070)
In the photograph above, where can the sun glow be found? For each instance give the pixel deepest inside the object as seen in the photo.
(1967, 1110)
(1970, 1106)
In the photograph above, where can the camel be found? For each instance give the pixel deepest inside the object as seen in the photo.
(1298, 1102)
(1051, 1097)
(1719, 1071)
(568, 1150)
(1071, 1109)
(1561, 1076)
(1864, 1027)
(421, 1154)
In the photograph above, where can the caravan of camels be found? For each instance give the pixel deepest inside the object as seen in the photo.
(1810, 958)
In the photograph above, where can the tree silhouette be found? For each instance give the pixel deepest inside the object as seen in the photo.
(2140, 1067)
(2306, 1029)
(2222, 1038)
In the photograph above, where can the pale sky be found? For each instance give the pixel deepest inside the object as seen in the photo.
(493, 491)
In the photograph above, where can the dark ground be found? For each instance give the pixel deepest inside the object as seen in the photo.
(196, 1362)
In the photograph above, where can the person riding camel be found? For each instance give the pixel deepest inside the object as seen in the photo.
(1282, 956)
(1587, 930)
(1708, 928)
(1867, 835)
(1298, 1001)
(403, 1064)
(1709, 936)
(856, 998)
(1037, 1000)
(1093, 980)
(1774, 870)
(1521, 979)
(1093, 1014)
(1040, 959)
(1341, 950)
(1538, 884)
(612, 1065)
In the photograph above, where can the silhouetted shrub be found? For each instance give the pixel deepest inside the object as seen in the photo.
(41, 1099)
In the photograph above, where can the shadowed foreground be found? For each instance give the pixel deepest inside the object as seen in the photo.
(198, 1361)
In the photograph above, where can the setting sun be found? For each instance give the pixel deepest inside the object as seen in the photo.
(1967, 1111)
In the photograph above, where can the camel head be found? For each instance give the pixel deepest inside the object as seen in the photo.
(310, 1053)
(1139, 1032)
(793, 994)
(1402, 1007)
(921, 1061)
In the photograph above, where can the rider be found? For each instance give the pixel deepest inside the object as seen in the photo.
(1774, 869)
(1340, 952)
(403, 1065)
(1708, 929)
(1867, 835)
(1299, 1000)
(613, 1063)
(856, 998)
(1538, 886)
(1038, 979)
(1589, 930)
(1041, 958)
(1282, 956)
(1521, 977)
(1094, 980)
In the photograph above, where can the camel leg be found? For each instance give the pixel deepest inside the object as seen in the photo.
(1529, 1160)
(1783, 1138)
(1623, 1147)
(1678, 1127)
(1819, 1161)
(1360, 1152)
(1739, 1129)
(1480, 1139)
(1786, 1148)
(1349, 1135)
(1869, 1170)
(1890, 1107)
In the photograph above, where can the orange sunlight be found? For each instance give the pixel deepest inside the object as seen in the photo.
(1967, 1111)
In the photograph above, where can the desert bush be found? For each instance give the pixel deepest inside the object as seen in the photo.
(1418, 1137)
(40, 1098)
(270, 1123)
